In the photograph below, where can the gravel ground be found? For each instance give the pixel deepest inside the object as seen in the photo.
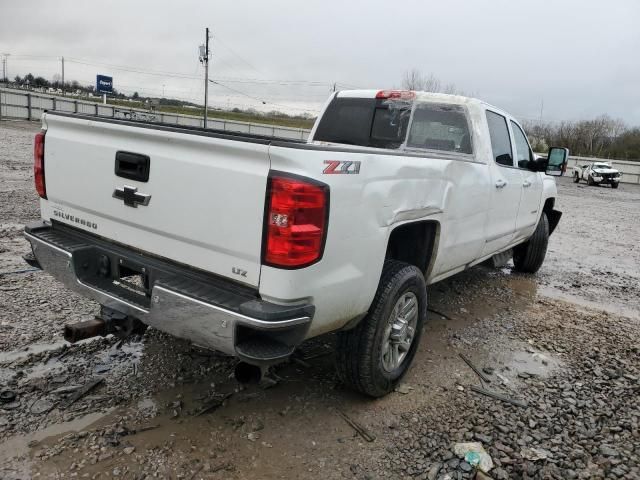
(563, 344)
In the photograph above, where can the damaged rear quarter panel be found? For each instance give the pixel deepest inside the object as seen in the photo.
(388, 191)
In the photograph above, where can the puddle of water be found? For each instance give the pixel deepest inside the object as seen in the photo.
(19, 445)
(13, 355)
(609, 307)
(35, 348)
(532, 363)
(147, 404)
(53, 365)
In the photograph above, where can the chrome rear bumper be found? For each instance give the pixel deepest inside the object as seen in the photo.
(270, 334)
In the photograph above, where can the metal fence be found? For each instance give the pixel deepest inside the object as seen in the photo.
(30, 106)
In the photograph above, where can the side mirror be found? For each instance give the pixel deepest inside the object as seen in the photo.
(557, 161)
(538, 164)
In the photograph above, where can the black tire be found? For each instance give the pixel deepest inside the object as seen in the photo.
(529, 256)
(359, 352)
(590, 181)
(614, 185)
(576, 178)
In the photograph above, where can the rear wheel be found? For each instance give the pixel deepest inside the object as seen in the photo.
(375, 355)
(576, 177)
(529, 256)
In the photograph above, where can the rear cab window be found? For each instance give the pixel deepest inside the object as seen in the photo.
(440, 127)
(395, 124)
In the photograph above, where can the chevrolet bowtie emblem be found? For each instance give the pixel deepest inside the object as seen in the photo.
(131, 196)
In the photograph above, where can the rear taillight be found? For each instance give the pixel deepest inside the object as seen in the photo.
(295, 223)
(38, 164)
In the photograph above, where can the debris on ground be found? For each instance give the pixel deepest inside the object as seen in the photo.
(499, 396)
(474, 455)
(474, 368)
(81, 392)
(363, 432)
(213, 403)
(404, 389)
(535, 454)
(7, 396)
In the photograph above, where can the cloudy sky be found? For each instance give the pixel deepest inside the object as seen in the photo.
(578, 58)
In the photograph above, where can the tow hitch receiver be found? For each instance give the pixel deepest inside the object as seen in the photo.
(109, 321)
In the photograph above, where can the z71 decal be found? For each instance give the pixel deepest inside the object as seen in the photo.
(337, 167)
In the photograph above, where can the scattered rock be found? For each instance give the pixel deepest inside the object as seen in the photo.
(535, 454)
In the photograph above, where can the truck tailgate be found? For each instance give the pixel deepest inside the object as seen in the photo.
(206, 194)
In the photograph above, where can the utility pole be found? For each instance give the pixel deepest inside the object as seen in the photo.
(541, 110)
(62, 59)
(5, 73)
(204, 59)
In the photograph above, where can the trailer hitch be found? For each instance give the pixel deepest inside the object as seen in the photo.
(108, 322)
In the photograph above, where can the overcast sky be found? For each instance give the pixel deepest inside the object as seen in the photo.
(580, 57)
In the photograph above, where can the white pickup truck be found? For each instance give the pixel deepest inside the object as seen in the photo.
(249, 245)
(597, 173)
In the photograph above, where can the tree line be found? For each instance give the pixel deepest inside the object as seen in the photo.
(602, 137)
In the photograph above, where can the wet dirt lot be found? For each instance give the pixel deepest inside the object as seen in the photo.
(564, 343)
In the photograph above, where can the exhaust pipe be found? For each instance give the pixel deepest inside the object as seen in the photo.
(247, 373)
(90, 328)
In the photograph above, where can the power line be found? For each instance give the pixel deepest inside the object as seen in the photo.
(131, 69)
(217, 37)
(264, 102)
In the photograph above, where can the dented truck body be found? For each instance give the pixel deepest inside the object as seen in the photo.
(250, 245)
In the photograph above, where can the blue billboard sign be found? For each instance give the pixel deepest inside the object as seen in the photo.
(104, 84)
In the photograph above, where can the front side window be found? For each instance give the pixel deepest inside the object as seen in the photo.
(500, 140)
(440, 127)
(523, 151)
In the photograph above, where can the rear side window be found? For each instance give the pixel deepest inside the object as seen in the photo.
(367, 122)
(440, 127)
(500, 141)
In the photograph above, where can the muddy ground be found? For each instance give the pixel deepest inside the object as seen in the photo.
(564, 344)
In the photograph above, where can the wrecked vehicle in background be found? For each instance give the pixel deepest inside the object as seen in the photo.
(597, 173)
(249, 245)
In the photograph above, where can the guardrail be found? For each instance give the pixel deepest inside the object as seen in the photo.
(30, 106)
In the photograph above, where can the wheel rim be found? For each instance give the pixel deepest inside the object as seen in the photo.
(400, 331)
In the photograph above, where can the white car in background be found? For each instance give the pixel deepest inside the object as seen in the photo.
(597, 173)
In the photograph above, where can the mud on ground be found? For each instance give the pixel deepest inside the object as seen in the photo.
(564, 344)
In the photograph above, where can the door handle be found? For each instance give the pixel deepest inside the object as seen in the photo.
(526, 184)
(501, 183)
